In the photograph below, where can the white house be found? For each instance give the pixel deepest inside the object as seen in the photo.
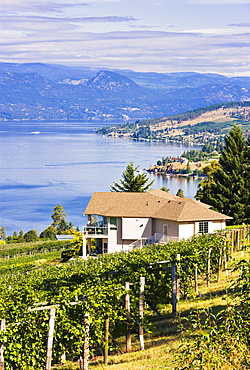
(133, 219)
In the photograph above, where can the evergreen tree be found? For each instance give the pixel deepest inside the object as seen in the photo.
(59, 218)
(180, 193)
(2, 233)
(247, 181)
(165, 189)
(131, 182)
(225, 187)
(20, 238)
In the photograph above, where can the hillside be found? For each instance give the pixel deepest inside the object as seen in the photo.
(39, 92)
(197, 126)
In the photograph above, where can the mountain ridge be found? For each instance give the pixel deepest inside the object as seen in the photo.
(37, 91)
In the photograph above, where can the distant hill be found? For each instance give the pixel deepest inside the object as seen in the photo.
(36, 91)
(196, 126)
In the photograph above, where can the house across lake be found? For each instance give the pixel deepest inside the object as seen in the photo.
(129, 220)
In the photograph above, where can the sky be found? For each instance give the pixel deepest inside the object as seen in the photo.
(206, 36)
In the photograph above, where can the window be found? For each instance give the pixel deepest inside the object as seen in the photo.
(113, 222)
(203, 227)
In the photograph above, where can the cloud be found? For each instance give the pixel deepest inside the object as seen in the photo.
(240, 25)
(102, 35)
(18, 5)
(218, 2)
(139, 50)
(29, 19)
(15, 6)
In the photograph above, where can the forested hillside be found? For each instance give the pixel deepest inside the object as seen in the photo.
(49, 92)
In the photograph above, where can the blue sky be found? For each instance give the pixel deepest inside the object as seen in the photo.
(208, 36)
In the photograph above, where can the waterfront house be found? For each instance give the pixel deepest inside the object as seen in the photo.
(128, 220)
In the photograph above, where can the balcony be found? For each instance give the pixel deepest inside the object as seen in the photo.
(95, 231)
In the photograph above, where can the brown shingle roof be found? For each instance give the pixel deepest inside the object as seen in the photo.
(154, 204)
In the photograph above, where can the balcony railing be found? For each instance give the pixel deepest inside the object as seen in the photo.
(156, 238)
(95, 230)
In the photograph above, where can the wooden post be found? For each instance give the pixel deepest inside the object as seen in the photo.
(178, 287)
(50, 338)
(128, 318)
(86, 343)
(209, 267)
(196, 279)
(106, 348)
(141, 311)
(174, 289)
(225, 264)
(2, 327)
(219, 265)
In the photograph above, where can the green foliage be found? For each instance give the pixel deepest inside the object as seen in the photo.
(180, 193)
(11, 250)
(59, 219)
(219, 341)
(48, 233)
(31, 236)
(2, 233)
(204, 153)
(227, 187)
(101, 281)
(131, 182)
(165, 189)
(143, 128)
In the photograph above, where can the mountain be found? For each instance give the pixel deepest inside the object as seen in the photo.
(36, 91)
(111, 81)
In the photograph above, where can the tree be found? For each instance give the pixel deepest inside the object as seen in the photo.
(31, 236)
(226, 188)
(59, 218)
(188, 169)
(247, 182)
(48, 233)
(20, 238)
(165, 189)
(2, 233)
(180, 193)
(131, 182)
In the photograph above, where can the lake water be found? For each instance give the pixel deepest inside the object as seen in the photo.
(46, 164)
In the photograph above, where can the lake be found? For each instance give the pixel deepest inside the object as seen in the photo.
(49, 163)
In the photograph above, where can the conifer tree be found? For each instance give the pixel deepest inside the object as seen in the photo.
(225, 187)
(59, 218)
(131, 182)
(247, 181)
(180, 193)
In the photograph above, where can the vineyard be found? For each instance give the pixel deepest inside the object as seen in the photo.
(75, 310)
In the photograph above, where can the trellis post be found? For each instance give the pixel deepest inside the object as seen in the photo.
(141, 311)
(2, 327)
(174, 288)
(106, 347)
(128, 318)
(196, 279)
(84, 362)
(209, 267)
(50, 338)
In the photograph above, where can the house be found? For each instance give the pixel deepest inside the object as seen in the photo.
(129, 220)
